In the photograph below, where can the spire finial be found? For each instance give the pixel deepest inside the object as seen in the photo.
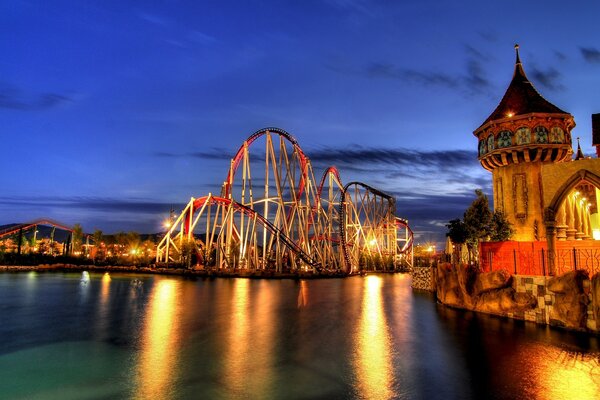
(517, 51)
(579, 155)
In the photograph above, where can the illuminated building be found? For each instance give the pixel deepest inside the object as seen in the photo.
(526, 143)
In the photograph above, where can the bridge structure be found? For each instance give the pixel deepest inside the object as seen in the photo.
(272, 214)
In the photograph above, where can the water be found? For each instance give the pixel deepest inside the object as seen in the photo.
(101, 336)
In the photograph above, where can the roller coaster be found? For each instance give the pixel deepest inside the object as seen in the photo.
(272, 215)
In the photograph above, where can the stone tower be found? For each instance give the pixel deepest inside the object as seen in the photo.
(524, 132)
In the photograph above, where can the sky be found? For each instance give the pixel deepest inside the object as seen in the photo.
(112, 112)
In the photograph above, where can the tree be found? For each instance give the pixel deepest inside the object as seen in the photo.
(77, 237)
(479, 224)
(98, 238)
(501, 229)
(458, 234)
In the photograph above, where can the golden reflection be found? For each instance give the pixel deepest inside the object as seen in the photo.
(373, 363)
(101, 321)
(238, 357)
(158, 359)
(105, 290)
(263, 340)
(303, 295)
(565, 375)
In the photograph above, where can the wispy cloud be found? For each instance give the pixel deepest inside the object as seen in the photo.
(201, 37)
(143, 215)
(153, 18)
(590, 54)
(391, 71)
(549, 78)
(394, 156)
(16, 99)
(364, 7)
(488, 36)
(472, 81)
(560, 55)
(90, 203)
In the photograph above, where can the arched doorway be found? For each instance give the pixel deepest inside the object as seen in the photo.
(572, 215)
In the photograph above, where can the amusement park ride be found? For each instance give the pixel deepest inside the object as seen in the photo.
(271, 214)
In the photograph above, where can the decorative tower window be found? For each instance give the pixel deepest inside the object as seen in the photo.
(541, 134)
(490, 143)
(523, 135)
(520, 197)
(504, 139)
(482, 147)
(557, 135)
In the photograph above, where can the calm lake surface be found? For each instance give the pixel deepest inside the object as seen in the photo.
(101, 336)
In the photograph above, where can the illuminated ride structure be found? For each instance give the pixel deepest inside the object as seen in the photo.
(18, 232)
(272, 215)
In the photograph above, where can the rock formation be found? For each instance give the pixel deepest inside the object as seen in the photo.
(570, 304)
(490, 292)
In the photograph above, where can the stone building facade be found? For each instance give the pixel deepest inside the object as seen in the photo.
(526, 144)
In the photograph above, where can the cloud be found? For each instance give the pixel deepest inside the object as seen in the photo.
(201, 37)
(560, 56)
(136, 206)
(488, 36)
(393, 156)
(108, 214)
(153, 18)
(364, 7)
(548, 78)
(472, 81)
(390, 71)
(590, 54)
(15, 99)
(166, 154)
(475, 79)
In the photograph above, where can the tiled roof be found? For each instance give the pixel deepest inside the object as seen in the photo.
(521, 98)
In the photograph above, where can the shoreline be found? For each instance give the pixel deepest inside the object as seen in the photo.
(201, 273)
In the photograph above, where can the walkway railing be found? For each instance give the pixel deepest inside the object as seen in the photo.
(531, 258)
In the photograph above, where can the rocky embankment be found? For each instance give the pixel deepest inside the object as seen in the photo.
(571, 300)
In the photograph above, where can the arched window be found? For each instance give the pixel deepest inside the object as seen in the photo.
(490, 142)
(482, 147)
(504, 139)
(523, 135)
(557, 135)
(541, 134)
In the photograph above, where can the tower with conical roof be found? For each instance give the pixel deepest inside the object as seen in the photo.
(524, 132)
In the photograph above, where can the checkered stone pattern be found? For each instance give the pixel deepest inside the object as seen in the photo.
(536, 285)
(422, 278)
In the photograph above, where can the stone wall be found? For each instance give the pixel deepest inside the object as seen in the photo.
(422, 278)
(569, 306)
(570, 301)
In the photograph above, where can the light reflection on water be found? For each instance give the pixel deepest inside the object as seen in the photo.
(373, 367)
(167, 337)
(566, 375)
(157, 366)
(238, 357)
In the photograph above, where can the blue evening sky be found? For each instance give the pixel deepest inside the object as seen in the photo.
(113, 111)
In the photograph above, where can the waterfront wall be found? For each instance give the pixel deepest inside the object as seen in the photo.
(578, 307)
(423, 278)
(570, 301)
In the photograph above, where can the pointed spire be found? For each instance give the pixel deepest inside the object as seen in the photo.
(580, 155)
(519, 71)
(521, 97)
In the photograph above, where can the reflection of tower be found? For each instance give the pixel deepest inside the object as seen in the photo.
(524, 132)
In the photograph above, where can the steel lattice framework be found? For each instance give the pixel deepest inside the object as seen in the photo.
(272, 215)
